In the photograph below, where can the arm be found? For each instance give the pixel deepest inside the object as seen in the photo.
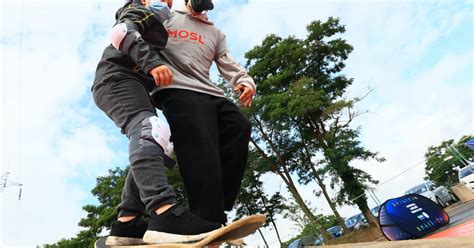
(235, 74)
(126, 36)
(237, 78)
(229, 68)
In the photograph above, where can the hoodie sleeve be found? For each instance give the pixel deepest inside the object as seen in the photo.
(230, 70)
(126, 36)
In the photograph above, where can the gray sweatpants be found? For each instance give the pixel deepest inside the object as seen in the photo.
(126, 101)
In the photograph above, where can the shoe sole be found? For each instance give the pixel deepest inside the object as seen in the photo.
(155, 237)
(114, 241)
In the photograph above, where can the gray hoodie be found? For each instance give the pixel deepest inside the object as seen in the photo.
(193, 44)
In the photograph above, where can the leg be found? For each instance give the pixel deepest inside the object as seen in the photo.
(234, 137)
(175, 223)
(127, 103)
(131, 205)
(147, 167)
(193, 121)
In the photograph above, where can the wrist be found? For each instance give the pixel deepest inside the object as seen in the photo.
(250, 86)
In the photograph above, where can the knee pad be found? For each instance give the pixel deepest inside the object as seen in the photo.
(154, 141)
(123, 38)
(162, 135)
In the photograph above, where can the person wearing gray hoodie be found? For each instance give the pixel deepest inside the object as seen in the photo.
(209, 132)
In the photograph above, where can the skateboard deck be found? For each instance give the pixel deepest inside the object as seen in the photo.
(236, 230)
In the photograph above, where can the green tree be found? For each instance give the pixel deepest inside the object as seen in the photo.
(300, 99)
(309, 169)
(275, 149)
(99, 217)
(308, 231)
(442, 160)
(253, 200)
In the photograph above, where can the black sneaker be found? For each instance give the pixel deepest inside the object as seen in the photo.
(177, 225)
(127, 233)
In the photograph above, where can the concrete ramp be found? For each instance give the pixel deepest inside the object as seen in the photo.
(463, 192)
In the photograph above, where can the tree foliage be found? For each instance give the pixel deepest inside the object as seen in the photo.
(301, 103)
(307, 230)
(443, 161)
(253, 200)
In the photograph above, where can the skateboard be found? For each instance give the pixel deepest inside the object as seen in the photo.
(236, 230)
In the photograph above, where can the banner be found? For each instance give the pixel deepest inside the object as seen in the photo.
(410, 217)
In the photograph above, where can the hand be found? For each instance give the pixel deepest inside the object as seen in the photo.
(246, 95)
(162, 75)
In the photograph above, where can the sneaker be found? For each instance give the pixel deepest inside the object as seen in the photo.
(177, 225)
(127, 233)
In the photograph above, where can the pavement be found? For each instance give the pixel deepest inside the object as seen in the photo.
(460, 213)
(461, 221)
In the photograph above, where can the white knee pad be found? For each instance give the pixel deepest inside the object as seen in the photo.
(161, 133)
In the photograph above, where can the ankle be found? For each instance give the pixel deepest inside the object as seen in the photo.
(126, 218)
(163, 209)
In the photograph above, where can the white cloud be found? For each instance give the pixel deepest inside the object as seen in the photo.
(49, 142)
(432, 108)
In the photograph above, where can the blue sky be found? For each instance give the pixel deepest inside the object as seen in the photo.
(417, 56)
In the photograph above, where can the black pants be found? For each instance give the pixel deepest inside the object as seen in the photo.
(210, 137)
